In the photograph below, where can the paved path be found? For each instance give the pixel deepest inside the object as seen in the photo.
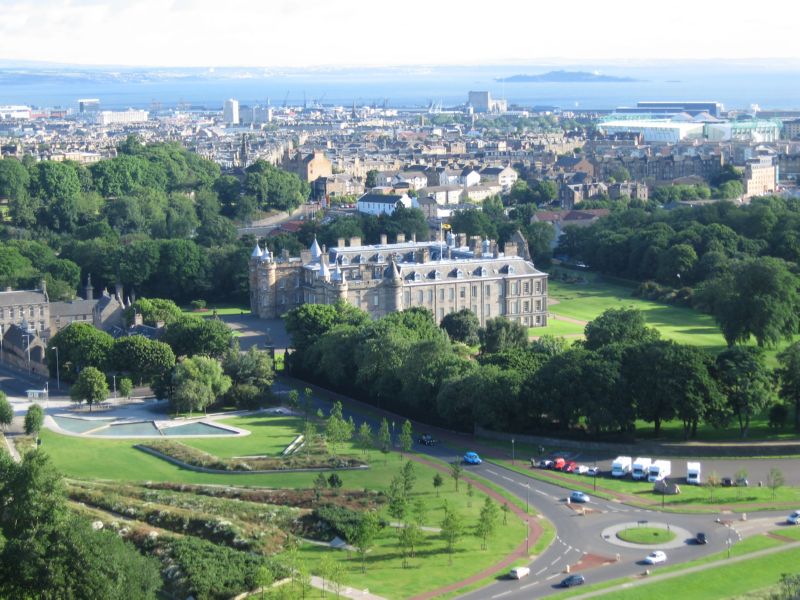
(689, 571)
(345, 591)
(534, 532)
(567, 319)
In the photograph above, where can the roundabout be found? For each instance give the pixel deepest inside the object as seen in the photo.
(639, 535)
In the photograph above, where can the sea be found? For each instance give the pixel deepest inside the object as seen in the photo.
(738, 85)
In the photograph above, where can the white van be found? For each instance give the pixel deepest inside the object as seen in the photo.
(519, 572)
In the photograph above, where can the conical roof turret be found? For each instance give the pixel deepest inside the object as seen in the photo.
(256, 252)
(316, 251)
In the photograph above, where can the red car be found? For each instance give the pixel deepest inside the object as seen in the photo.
(570, 466)
(558, 464)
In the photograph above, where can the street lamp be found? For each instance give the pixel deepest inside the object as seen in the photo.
(512, 450)
(58, 372)
(114, 377)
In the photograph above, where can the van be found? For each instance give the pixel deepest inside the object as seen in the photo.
(519, 572)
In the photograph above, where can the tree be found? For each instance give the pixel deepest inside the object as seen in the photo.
(487, 521)
(153, 310)
(34, 419)
(438, 481)
(409, 478)
(470, 494)
(409, 537)
(502, 334)
(462, 326)
(144, 359)
(365, 535)
(327, 564)
(320, 484)
(385, 437)
(788, 373)
(293, 398)
(190, 336)
(456, 471)
(505, 510)
(334, 481)
(125, 387)
(788, 588)
(452, 529)
(6, 411)
(264, 579)
(624, 326)
(406, 437)
(91, 386)
(337, 430)
(198, 382)
(372, 179)
(79, 345)
(365, 438)
(758, 297)
(775, 480)
(251, 375)
(744, 378)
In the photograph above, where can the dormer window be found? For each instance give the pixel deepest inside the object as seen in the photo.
(417, 276)
(459, 274)
(510, 270)
(345, 260)
(380, 258)
(481, 272)
(436, 275)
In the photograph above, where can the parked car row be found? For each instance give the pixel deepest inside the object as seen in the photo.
(565, 466)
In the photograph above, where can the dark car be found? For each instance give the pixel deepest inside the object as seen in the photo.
(701, 538)
(573, 580)
(727, 482)
(427, 440)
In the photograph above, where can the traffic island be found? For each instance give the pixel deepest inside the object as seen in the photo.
(647, 534)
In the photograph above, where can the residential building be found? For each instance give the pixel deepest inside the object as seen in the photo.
(380, 204)
(308, 167)
(442, 276)
(469, 176)
(505, 176)
(760, 177)
(120, 117)
(27, 308)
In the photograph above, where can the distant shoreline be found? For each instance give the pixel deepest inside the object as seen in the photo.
(566, 77)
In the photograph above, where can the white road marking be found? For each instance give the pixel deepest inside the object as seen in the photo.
(540, 492)
(492, 472)
(555, 561)
(552, 576)
(540, 571)
(531, 584)
(507, 478)
(503, 594)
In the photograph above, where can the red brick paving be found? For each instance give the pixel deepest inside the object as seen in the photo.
(534, 532)
(590, 561)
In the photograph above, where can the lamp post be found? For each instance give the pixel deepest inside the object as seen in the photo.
(114, 377)
(527, 496)
(512, 450)
(58, 371)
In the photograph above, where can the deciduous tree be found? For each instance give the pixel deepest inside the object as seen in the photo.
(91, 387)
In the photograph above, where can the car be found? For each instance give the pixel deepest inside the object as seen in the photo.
(578, 497)
(742, 482)
(655, 557)
(701, 538)
(572, 581)
(545, 464)
(593, 471)
(519, 572)
(427, 439)
(581, 469)
(570, 466)
(727, 482)
(472, 458)
(794, 518)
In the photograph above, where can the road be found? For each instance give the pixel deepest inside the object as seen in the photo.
(584, 538)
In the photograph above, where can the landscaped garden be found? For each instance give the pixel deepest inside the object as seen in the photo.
(646, 535)
(159, 504)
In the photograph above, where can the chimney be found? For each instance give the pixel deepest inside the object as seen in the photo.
(118, 292)
(340, 243)
(510, 249)
(43, 286)
(355, 241)
(414, 237)
(401, 238)
(423, 255)
(384, 239)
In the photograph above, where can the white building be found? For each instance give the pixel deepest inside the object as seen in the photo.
(380, 204)
(230, 112)
(15, 112)
(121, 117)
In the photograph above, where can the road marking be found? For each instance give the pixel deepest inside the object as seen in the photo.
(525, 587)
(540, 492)
(555, 561)
(491, 471)
(569, 548)
(503, 594)
(554, 575)
(540, 571)
(507, 478)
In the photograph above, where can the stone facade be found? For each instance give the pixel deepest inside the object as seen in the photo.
(27, 308)
(443, 277)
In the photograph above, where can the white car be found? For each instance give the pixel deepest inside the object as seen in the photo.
(655, 557)
(581, 469)
(794, 518)
(593, 471)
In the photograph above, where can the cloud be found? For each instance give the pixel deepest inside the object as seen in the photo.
(364, 32)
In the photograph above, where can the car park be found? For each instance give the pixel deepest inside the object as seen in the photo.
(519, 572)
(655, 557)
(581, 469)
(578, 497)
(542, 464)
(572, 581)
(472, 458)
(701, 538)
(794, 518)
(593, 471)
(742, 482)
(427, 439)
(558, 464)
(570, 466)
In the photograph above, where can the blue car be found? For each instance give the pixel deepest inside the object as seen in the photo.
(471, 458)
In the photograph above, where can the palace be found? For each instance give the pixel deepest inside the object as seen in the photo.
(442, 276)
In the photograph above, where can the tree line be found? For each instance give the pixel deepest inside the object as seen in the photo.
(622, 372)
(157, 218)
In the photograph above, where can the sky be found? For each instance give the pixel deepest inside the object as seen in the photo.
(319, 33)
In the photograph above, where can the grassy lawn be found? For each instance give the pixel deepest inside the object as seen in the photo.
(646, 535)
(558, 328)
(431, 568)
(221, 309)
(270, 436)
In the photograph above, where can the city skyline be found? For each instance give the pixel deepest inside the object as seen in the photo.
(201, 33)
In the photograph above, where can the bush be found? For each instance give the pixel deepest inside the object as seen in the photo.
(34, 419)
(336, 520)
(198, 304)
(778, 416)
